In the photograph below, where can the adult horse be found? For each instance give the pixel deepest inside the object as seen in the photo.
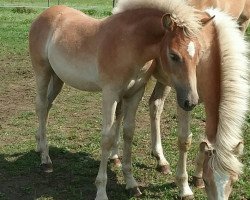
(225, 108)
(240, 10)
(116, 56)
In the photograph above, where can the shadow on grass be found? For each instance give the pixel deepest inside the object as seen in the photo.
(73, 177)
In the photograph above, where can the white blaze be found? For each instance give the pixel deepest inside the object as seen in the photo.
(221, 181)
(191, 49)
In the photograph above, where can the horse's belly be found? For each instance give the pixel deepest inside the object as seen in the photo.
(81, 74)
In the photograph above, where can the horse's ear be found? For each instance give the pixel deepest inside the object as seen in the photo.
(167, 22)
(204, 146)
(238, 150)
(206, 20)
(206, 149)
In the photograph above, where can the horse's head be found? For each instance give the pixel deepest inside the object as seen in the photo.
(180, 54)
(218, 185)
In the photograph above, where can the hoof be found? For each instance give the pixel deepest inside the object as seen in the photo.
(165, 169)
(134, 192)
(187, 197)
(198, 182)
(47, 168)
(116, 162)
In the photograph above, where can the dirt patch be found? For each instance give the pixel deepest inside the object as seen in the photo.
(17, 89)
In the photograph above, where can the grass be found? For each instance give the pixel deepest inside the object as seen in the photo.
(97, 4)
(74, 131)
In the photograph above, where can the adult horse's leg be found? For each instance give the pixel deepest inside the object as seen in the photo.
(156, 104)
(184, 143)
(114, 156)
(130, 108)
(197, 177)
(109, 104)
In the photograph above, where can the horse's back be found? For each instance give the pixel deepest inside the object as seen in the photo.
(246, 11)
(232, 7)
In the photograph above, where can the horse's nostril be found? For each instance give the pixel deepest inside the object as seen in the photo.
(186, 104)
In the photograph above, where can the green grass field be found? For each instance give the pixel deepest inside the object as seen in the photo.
(74, 130)
(98, 4)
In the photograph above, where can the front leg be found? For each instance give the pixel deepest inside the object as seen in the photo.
(130, 108)
(197, 177)
(156, 104)
(184, 143)
(110, 101)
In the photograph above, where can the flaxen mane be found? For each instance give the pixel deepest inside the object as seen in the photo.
(181, 13)
(234, 92)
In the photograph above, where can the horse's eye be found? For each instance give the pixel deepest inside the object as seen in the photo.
(174, 57)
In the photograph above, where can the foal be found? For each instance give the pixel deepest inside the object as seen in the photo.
(114, 55)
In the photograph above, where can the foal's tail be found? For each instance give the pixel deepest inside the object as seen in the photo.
(234, 93)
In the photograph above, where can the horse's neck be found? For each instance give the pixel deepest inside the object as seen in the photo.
(144, 24)
(208, 77)
(139, 30)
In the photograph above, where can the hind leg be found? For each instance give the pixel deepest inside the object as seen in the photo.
(43, 80)
(55, 87)
(48, 87)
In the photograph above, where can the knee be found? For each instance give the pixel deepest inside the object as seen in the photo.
(184, 144)
(156, 107)
(128, 131)
(108, 138)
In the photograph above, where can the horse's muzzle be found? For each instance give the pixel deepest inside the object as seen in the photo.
(187, 102)
(188, 106)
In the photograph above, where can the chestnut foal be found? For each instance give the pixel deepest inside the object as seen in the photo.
(115, 55)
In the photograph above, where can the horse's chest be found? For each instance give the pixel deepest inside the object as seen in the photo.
(139, 80)
(136, 83)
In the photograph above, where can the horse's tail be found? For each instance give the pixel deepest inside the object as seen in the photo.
(234, 93)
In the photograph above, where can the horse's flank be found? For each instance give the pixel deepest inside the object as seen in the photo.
(56, 27)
